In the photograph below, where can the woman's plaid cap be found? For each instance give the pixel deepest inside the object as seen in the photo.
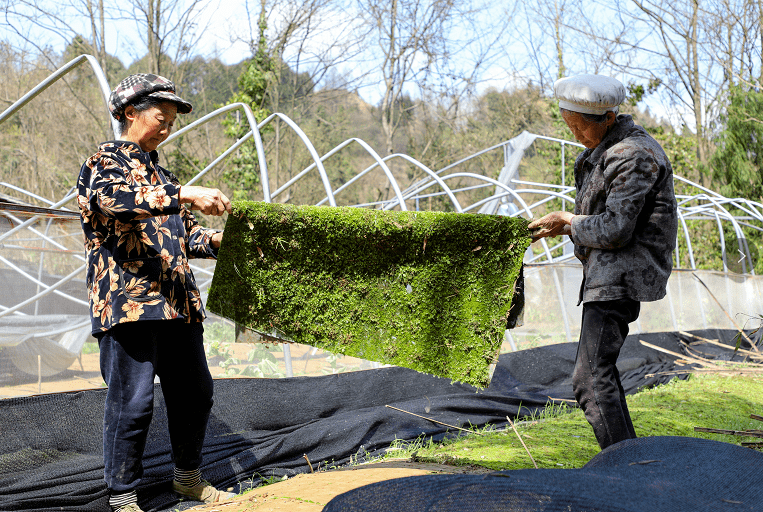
(144, 84)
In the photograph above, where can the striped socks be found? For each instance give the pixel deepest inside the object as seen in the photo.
(117, 501)
(188, 477)
(185, 477)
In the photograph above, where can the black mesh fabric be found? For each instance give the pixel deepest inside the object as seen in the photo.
(648, 474)
(51, 453)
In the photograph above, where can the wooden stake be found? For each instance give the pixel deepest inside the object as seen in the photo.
(522, 441)
(308, 463)
(696, 353)
(697, 337)
(435, 421)
(719, 370)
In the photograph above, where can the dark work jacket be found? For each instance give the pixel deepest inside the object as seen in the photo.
(626, 216)
(138, 239)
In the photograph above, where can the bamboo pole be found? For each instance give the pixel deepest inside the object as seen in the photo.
(435, 421)
(522, 441)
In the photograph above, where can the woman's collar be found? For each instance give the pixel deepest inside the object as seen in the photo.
(135, 147)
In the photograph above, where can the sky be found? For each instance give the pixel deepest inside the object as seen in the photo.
(227, 32)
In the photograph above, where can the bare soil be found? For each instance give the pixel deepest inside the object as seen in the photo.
(311, 492)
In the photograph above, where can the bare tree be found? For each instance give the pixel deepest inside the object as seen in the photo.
(97, 17)
(542, 31)
(44, 24)
(559, 38)
(301, 42)
(170, 30)
(665, 42)
(737, 37)
(409, 37)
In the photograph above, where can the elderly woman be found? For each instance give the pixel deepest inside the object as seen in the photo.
(624, 231)
(146, 309)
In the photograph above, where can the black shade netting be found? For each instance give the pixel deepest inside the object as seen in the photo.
(648, 474)
(51, 445)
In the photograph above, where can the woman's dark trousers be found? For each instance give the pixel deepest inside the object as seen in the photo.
(132, 354)
(595, 380)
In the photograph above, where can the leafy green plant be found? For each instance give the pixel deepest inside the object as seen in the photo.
(334, 366)
(263, 363)
(738, 160)
(90, 347)
(221, 353)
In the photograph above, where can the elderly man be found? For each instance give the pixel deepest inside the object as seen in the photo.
(624, 230)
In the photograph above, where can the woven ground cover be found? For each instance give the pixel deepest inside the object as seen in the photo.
(429, 291)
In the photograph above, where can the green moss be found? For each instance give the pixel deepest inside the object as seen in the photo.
(429, 291)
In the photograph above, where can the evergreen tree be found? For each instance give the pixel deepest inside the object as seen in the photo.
(738, 162)
(253, 87)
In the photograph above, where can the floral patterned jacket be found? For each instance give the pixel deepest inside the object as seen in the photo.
(138, 239)
(626, 216)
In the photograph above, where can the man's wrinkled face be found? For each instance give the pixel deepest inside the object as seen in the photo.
(588, 133)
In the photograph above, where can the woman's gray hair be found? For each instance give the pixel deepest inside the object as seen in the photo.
(140, 104)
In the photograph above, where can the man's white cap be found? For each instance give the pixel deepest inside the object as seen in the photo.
(589, 94)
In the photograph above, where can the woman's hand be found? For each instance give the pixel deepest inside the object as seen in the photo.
(553, 224)
(210, 201)
(216, 240)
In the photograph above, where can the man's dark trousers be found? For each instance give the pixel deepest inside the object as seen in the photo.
(595, 380)
(132, 354)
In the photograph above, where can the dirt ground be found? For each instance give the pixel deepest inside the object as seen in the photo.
(311, 492)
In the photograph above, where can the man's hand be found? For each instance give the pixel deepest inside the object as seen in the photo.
(553, 224)
(210, 201)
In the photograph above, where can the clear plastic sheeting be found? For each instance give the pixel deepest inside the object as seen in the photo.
(695, 299)
(45, 345)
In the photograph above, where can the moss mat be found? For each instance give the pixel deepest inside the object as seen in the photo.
(430, 291)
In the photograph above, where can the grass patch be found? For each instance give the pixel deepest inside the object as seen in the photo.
(562, 438)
